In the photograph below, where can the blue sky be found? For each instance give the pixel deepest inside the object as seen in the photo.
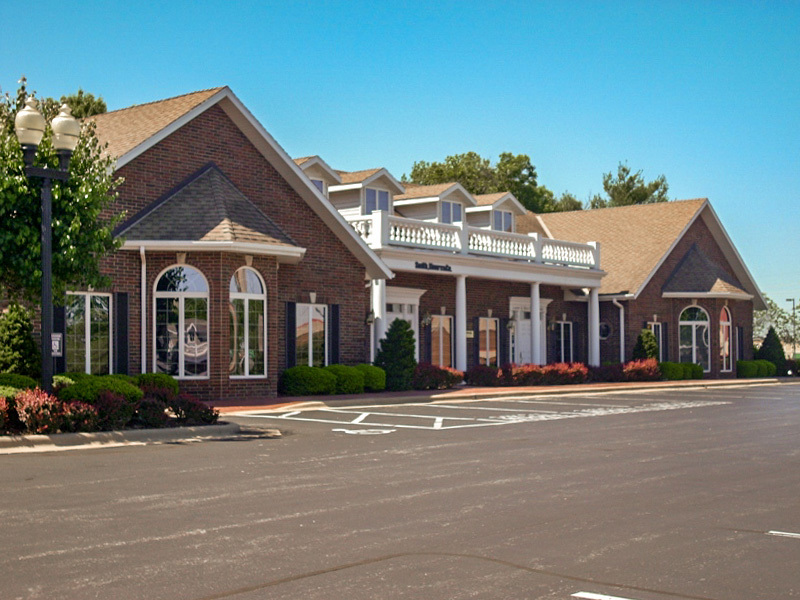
(707, 93)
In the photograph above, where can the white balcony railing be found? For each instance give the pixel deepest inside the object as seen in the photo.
(381, 230)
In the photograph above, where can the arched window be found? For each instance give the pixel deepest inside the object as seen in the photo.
(248, 325)
(695, 337)
(181, 323)
(725, 340)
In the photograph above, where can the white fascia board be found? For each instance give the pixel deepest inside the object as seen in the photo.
(411, 201)
(171, 128)
(734, 258)
(289, 170)
(403, 295)
(457, 187)
(382, 172)
(688, 295)
(544, 227)
(318, 162)
(508, 197)
(477, 209)
(284, 254)
(345, 187)
(491, 268)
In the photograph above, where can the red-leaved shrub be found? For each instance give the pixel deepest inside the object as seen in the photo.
(564, 373)
(526, 375)
(482, 375)
(191, 411)
(606, 373)
(39, 412)
(433, 377)
(80, 417)
(3, 413)
(642, 370)
(114, 411)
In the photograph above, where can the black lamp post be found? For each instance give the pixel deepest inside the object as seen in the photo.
(30, 125)
(794, 336)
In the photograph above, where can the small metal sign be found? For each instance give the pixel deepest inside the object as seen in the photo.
(470, 334)
(57, 345)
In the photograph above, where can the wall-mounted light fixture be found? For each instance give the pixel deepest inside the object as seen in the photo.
(426, 319)
(370, 317)
(313, 297)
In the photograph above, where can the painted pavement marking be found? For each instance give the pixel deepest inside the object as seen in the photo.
(591, 596)
(365, 431)
(788, 534)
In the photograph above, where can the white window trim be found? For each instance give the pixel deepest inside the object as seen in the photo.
(377, 197)
(247, 297)
(729, 325)
(481, 322)
(324, 189)
(694, 325)
(561, 326)
(653, 325)
(450, 203)
(503, 214)
(181, 297)
(87, 332)
(310, 334)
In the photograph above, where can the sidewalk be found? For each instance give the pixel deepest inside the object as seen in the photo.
(478, 393)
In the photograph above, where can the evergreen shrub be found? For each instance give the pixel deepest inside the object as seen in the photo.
(7, 391)
(158, 380)
(396, 356)
(349, 380)
(22, 382)
(306, 381)
(374, 377)
(772, 350)
(101, 391)
(671, 371)
(646, 346)
(433, 377)
(18, 350)
(766, 368)
(746, 369)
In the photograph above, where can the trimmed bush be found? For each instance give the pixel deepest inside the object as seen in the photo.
(696, 371)
(396, 356)
(349, 380)
(113, 410)
(7, 391)
(80, 417)
(21, 382)
(671, 371)
(191, 411)
(646, 346)
(564, 373)
(607, 373)
(766, 368)
(642, 370)
(125, 378)
(746, 369)
(433, 377)
(164, 394)
(152, 412)
(158, 380)
(483, 376)
(306, 381)
(772, 350)
(39, 412)
(4, 407)
(75, 376)
(526, 375)
(374, 377)
(103, 392)
(18, 350)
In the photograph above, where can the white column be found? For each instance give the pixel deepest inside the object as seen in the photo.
(594, 327)
(379, 308)
(536, 326)
(461, 322)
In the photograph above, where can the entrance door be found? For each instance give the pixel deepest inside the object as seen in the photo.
(520, 339)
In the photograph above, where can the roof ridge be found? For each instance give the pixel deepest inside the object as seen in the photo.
(116, 110)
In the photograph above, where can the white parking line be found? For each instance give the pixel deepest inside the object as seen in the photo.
(788, 534)
(359, 418)
(591, 596)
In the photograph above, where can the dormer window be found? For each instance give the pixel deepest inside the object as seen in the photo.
(320, 185)
(502, 220)
(451, 212)
(376, 200)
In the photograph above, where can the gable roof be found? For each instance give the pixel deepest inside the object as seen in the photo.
(352, 180)
(486, 201)
(636, 240)
(696, 272)
(132, 131)
(307, 162)
(434, 192)
(207, 207)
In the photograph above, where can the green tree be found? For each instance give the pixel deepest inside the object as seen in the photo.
(646, 345)
(512, 173)
(567, 202)
(772, 350)
(396, 356)
(18, 350)
(775, 317)
(81, 237)
(625, 188)
(84, 104)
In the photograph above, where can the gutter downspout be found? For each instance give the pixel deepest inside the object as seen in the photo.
(143, 309)
(621, 308)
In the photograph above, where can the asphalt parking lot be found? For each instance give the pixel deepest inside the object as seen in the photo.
(689, 494)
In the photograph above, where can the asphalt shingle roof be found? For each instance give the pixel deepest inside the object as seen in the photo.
(698, 273)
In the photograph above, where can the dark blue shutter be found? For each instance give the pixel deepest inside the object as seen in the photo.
(333, 334)
(121, 333)
(740, 343)
(60, 326)
(426, 349)
(664, 343)
(291, 332)
(476, 341)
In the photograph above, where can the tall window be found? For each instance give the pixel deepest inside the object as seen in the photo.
(376, 200)
(248, 325)
(181, 323)
(725, 340)
(451, 212)
(489, 332)
(694, 337)
(442, 340)
(656, 328)
(88, 323)
(311, 335)
(564, 341)
(502, 220)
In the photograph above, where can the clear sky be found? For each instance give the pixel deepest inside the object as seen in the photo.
(706, 93)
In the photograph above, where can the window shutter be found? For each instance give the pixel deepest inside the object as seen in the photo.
(740, 343)
(426, 349)
(664, 342)
(291, 332)
(121, 315)
(476, 341)
(505, 342)
(579, 344)
(333, 334)
(60, 326)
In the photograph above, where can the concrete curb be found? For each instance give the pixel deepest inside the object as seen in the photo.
(13, 444)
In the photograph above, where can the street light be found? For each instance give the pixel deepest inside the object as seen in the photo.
(30, 125)
(794, 337)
